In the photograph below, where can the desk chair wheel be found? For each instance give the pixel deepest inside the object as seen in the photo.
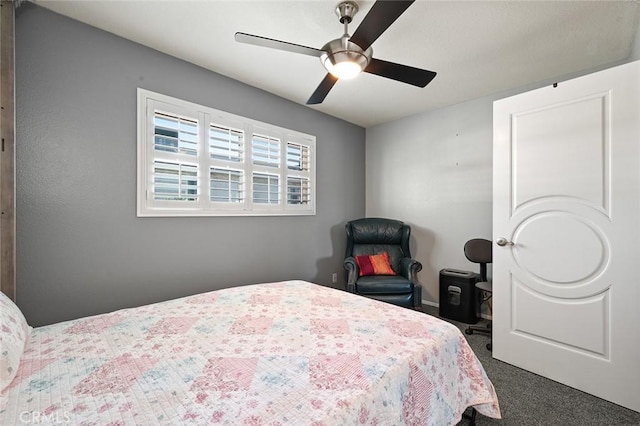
(470, 329)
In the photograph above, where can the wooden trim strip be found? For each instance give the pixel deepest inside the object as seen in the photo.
(7, 151)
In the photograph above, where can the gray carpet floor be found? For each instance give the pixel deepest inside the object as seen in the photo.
(528, 399)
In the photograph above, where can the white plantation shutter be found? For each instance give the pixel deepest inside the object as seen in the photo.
(174, 181)
(226, 143)
(298, 174)
(175, 134)
(266, 188)
(265, 151)
(174, 173)
(226, 166)
(227, 185)
(197, 161)
(298, 190)
(298, 157)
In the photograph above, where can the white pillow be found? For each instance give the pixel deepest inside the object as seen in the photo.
(14, 332)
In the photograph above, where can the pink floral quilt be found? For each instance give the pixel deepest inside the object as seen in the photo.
(288, 353)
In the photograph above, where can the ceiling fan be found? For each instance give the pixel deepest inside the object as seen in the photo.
(348, 56)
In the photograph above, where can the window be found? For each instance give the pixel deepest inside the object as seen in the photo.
(197, 161)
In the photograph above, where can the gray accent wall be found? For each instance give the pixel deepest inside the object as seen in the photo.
(81, 250)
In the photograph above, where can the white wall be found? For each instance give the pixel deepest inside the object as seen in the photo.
(434, 171)
(635, 51)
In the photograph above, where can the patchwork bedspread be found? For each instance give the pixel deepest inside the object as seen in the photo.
(288, 353)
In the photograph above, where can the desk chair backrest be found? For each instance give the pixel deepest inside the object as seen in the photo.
(479, 250)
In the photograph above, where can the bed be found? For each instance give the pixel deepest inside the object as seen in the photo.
(285, 353)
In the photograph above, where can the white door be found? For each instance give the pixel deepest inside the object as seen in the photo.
(566, 201)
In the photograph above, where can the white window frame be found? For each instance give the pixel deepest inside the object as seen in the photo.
(147, 206)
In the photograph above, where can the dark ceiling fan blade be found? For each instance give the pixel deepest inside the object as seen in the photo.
(277, 44)
(403, 73)
(380, 17)
(322, 90)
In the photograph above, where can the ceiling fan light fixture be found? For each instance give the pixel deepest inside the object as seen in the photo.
(345, 65)
(344, 59)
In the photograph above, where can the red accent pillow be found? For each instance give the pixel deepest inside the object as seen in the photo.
(375, 264)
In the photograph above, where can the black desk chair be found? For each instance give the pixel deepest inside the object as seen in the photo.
(479, 250)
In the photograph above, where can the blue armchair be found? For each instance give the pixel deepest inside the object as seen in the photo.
(370, 236)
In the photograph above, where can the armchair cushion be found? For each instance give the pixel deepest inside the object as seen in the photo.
(377, 284)
(376, 264)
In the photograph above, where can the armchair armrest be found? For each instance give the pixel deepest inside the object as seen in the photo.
(409, 269)
(352, 273)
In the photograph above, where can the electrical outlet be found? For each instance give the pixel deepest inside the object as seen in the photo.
(334, 277)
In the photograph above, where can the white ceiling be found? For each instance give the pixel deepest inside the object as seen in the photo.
(476, 47)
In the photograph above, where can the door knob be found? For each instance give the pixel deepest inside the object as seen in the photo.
(504, 242)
